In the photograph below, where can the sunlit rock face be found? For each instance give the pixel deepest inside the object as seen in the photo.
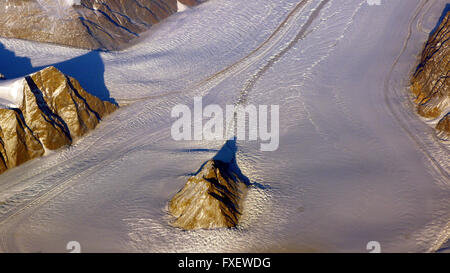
(90, 24)
(190, 2)
(444, 125)
(210, 199)
(53, 111)
(431, 83)
(18, 144)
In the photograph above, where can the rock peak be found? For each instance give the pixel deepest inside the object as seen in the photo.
(210, 199)
(431, 81)
(55, 110)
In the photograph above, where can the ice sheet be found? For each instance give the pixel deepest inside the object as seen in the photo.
(355, 163)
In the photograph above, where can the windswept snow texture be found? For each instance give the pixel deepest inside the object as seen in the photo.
(355, 163)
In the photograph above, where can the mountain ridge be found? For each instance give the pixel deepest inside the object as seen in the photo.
(91, 24)
(430, 83)
(55, 110)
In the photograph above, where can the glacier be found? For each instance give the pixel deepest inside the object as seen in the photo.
(355, 162)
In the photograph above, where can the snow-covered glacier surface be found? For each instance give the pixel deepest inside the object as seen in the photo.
(355, 163)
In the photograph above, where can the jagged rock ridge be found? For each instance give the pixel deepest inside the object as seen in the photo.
(91, 24)
(430, 83)
(210, 199)
(191, 2)
(53, 112)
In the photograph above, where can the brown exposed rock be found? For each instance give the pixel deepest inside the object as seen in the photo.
(94, 24)
(190, 2)
(430, 83)
(2, 77)
(444, 126)
(210, 199)
(55, 111)
(18, 144)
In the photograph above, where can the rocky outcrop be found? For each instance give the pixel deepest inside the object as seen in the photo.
(210, 199)
(190, 2)
(52, 111)
(17, 143)
(430, 83)
(444, 125)
(90, 24)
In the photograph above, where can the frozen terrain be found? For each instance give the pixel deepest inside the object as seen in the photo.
(355, 163)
